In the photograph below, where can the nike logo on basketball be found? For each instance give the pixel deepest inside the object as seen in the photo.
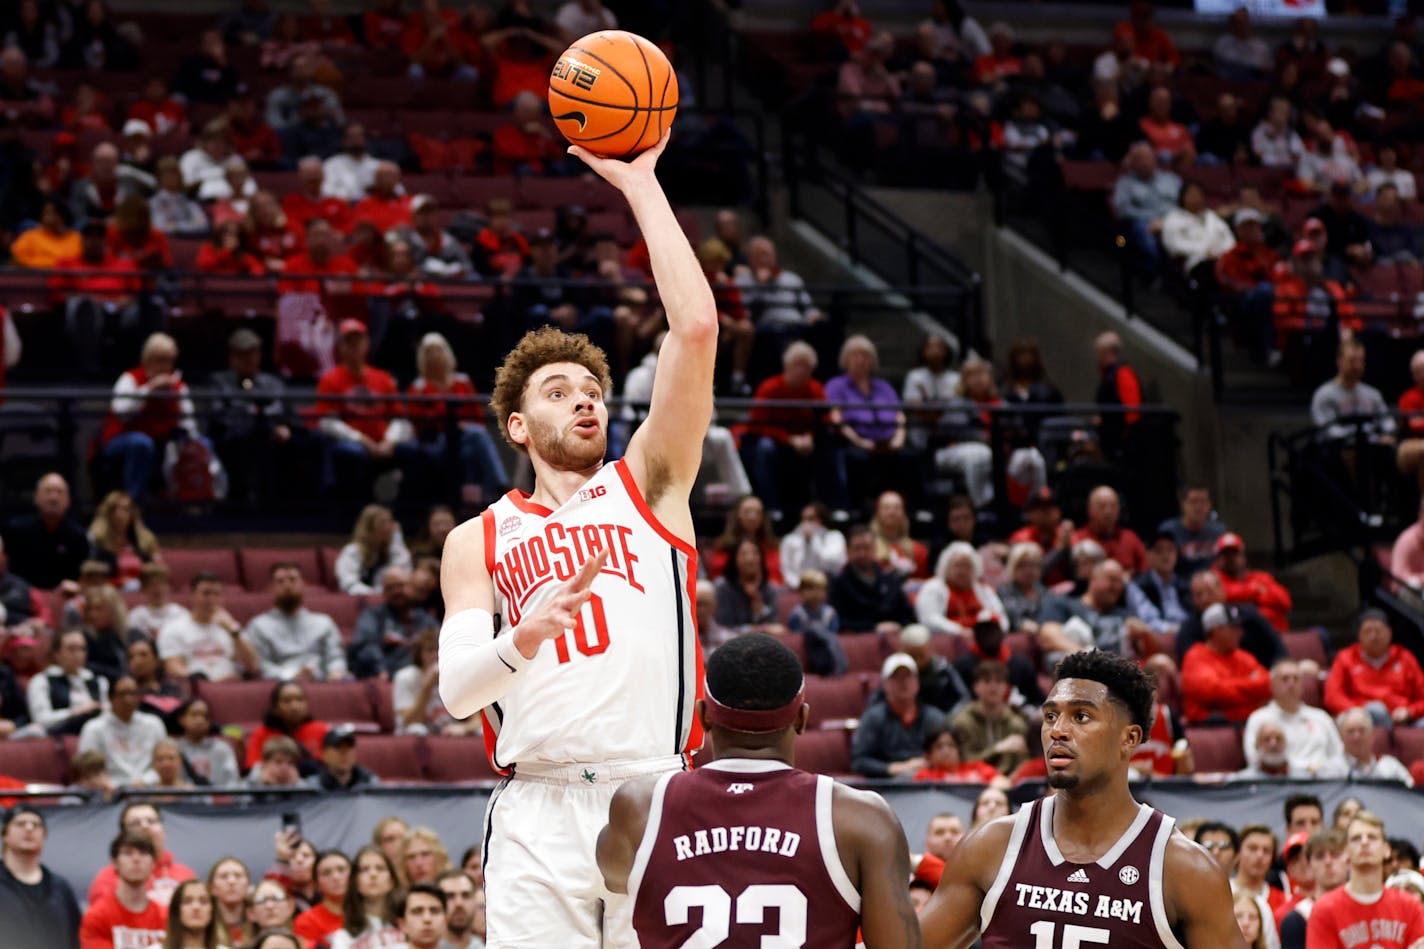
(1078, 876)
(579, 116)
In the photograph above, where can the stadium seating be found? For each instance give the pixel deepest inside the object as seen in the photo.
(33, 760)
(1216, 748)
(455, 759)
(835, 701)
(186, 563)
(257, 564)
(394, 758)
(825, 752)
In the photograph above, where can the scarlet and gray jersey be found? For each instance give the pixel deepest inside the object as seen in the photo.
(741, 854)
(1040, 900)
(621, 685)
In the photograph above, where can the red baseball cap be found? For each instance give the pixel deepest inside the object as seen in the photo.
(351, 325)
(1229, 541)
(1302, 248)
(1294, 842)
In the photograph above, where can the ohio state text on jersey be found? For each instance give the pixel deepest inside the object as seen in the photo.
(621, 685)
(1042, 901)
(742, 854)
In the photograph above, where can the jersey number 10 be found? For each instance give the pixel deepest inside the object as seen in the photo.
(1073, 936)
(588, 646)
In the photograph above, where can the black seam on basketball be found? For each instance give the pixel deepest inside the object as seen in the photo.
(648, 118)
(662, 102)
(614, 108)
(611, 68)
(597, 138)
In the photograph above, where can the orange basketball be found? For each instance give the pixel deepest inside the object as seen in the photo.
(614, 93)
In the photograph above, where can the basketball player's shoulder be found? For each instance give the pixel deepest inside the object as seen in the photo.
(1194, 887)
(464, 548)
(977, 857)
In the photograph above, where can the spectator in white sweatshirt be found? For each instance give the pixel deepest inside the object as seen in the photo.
(956, 597)
(1194, 233)
(125, 736)
(376, 545)
(292, 641)
(812, 545)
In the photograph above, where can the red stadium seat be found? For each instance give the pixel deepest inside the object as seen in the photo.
(1023, 644)
(243, 605)
(796, 642)
(257, 564)
(824, 752)
(1216, 749)
(835, 700)
(385, 706)
(1306, 645)
(1408, 744)
(457, 758)
(342, 702)
(1382, 746)
(343, 608)
(1311, 692)
(187, 562)
(33, 760)
(328, 566)
(864, 651)
(786, 601)
(1089, 175)
(948, 646)
(392, 757)
(237, 703)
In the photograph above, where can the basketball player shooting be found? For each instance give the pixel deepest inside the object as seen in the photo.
(592, 677)
(1086, 865)
(748, 851)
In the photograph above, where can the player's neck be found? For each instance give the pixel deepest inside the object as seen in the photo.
(1093, 817)
(1366, 881)
(553, 486)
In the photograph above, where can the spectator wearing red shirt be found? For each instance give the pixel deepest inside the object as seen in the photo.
(943, 762)
(502, 250)
(149, 408)
(1411, 445)
(272, 238)
(1120, 543)
(311, 201)
(386, 205)
(1149, 41)
(1376, 674)
(253, 139)
(1220, 680)
(1118, 385)
(483, 468)
(332, 875)
(737, 333)
(1170, 140)
(288, 714)
(1243, 274)
(1052, 532)
(105, 297)
(226, 254)
(843, 26)
(128, 917)
(1306, 299)
(143, 817)
(1256, 587)
(157, 109)
(787, 450)
(360, 433)
(86, 112)
(528, 144)
(1000, 63)
(383, 25)
(133, 237)
(521, 58)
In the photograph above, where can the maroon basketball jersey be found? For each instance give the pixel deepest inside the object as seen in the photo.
(741, 854)
(1041, 901)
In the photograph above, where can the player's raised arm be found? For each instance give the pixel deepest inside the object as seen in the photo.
(670, 439)
(1199, 897)
(887, 919)
(951, 918)
(476, 667)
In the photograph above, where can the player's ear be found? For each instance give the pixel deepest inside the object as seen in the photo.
(1132, 738)
(803, 718)
(518, 431)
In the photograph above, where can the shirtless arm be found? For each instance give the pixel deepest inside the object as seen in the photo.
(951, 919)
(476, 667)
(666, 451)
(871, 840)
(1198, 897)
(627, 821)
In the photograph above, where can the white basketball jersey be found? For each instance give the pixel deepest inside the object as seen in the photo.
(621, 685)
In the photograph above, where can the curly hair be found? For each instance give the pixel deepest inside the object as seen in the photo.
(1127, 683)
(537, 349)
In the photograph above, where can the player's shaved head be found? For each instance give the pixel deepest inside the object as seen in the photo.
(754, 671)
(1128, 685)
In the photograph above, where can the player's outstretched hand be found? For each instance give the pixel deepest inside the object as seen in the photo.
(560, 611)
(619, 173)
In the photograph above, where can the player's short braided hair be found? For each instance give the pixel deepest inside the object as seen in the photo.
(1127, 682)
(537, 349)
(754, 671)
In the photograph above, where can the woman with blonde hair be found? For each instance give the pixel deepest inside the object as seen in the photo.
(119, 538)
(150, 408)
(106, 631)
(1023, 593)
(1247, 908)
(376, 545)
(955, 598)
(389, 835)
(423, 857)
(483, 474)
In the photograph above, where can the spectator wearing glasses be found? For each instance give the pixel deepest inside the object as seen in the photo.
(38, 906)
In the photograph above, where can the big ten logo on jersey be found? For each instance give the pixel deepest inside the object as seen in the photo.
(580, 74)
(597, 491)
(555, 555)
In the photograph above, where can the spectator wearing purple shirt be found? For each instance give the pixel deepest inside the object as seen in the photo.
(868, 415)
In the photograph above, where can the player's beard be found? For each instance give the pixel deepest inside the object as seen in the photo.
(566, 451)
(1063, 780)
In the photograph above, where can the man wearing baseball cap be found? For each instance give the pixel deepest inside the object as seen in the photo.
(361, 433)
(1220, 680)
(1244, 585)
(890, 740)
(37, 906)
(1306, 298)
(246, 431)
(339, 770)
(1244, 275)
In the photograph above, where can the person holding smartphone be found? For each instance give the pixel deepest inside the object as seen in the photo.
(150, 407)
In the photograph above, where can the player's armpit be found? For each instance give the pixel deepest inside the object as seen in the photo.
(618, 842)
(865, 822)
(951, 918)
(1198, 897)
